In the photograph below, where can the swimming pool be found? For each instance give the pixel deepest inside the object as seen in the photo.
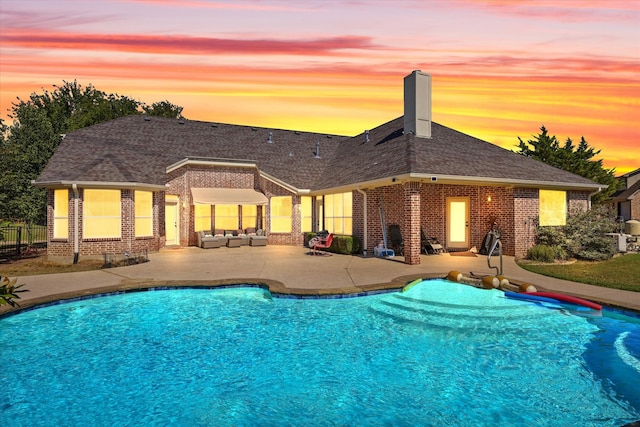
(439, 354)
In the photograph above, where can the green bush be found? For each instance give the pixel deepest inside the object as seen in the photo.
(342, 244)
(583, 236)
(542, 253)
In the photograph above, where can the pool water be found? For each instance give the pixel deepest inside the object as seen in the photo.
(439, 354)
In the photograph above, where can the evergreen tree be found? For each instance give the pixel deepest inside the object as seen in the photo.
(578, 160)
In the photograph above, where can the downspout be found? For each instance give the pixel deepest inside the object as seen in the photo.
(593, 194)
(364, 214)
(76, 223)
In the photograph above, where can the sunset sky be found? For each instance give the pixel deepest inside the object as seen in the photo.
(500, 68)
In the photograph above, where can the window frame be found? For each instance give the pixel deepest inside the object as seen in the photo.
(140, 216)
(61, 196)
(282, 218)
(87, 233)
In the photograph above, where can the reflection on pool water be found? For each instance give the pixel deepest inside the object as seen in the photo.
(439, 354)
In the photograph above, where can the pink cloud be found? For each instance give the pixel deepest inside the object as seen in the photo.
(576, 11)
(178, 44)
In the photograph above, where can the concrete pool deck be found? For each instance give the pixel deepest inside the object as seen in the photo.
(292, 270)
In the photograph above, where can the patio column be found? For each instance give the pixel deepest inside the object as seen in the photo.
(411, 230)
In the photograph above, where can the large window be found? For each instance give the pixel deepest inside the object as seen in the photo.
(226, 217)
(553, 207)
(338, 211)
(101, 214)
(144, 213)
(281, 211)
(202, 217)
(306, 211)
(61, 214)
(249, 216)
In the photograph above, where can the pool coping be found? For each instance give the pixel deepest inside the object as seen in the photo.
(276, 288)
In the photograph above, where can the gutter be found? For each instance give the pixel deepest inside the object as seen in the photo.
(364, 214)
(76, 223)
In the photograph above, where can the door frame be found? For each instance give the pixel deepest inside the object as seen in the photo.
(172, 202)
(457, 244)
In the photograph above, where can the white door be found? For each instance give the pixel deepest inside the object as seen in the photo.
(458, 222)
(171, 223)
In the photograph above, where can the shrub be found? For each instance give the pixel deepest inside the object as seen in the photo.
(542, 253)
(342, 244)
(583, 236)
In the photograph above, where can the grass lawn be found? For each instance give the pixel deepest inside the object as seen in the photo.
(622, 272)
(39, 265)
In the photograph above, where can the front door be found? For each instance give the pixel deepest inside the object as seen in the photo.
(458, 222)
(171, 223)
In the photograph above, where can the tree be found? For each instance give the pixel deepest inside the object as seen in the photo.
(163, 109)
(37, 129)
(577, 160)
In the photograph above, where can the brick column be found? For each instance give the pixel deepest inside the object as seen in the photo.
(411, 229)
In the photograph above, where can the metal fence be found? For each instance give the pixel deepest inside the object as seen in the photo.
(16, 240)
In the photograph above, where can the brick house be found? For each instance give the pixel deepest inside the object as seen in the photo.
(627, 200)
(140, 182)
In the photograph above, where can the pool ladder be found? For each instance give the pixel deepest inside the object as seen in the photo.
(497, 244)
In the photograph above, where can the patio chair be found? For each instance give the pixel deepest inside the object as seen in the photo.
(430, 245)
(206, 240)
(396, 242)
(322, 243)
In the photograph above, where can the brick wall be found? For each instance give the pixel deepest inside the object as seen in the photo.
(429, 212)
(62, 249)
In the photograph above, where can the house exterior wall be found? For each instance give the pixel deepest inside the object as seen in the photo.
(635, 207)
(62, 249)
(402, 207)
(411, 205)
(181, 180)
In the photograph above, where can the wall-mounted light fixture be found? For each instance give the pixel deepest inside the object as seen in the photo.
(488, 198)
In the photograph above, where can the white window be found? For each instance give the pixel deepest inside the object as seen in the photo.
(202, 217)
(338, 213)
(61, 214)
(101, 214)
(144, 213)
(281, 211)
(553, 207)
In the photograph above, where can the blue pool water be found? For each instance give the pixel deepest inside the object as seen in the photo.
(439, 354)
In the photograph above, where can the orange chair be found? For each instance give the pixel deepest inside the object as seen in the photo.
(323, 243)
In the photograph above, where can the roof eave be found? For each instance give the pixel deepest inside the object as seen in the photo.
(459, 180)
(100, 184)
(200, 161)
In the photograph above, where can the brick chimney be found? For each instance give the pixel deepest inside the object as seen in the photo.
(417, 104)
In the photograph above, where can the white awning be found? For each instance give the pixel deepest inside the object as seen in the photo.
(228, 196)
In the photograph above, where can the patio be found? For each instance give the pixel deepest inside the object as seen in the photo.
(291, 270)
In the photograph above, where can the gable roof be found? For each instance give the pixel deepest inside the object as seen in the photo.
(138, 150)
(627, 193)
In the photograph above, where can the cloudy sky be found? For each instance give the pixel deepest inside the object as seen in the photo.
(500, 68)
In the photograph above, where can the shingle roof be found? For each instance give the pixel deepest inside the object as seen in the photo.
(448, 152)
(627, 193)
(138, 149)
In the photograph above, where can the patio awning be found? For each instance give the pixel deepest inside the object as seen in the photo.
(228, 196)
